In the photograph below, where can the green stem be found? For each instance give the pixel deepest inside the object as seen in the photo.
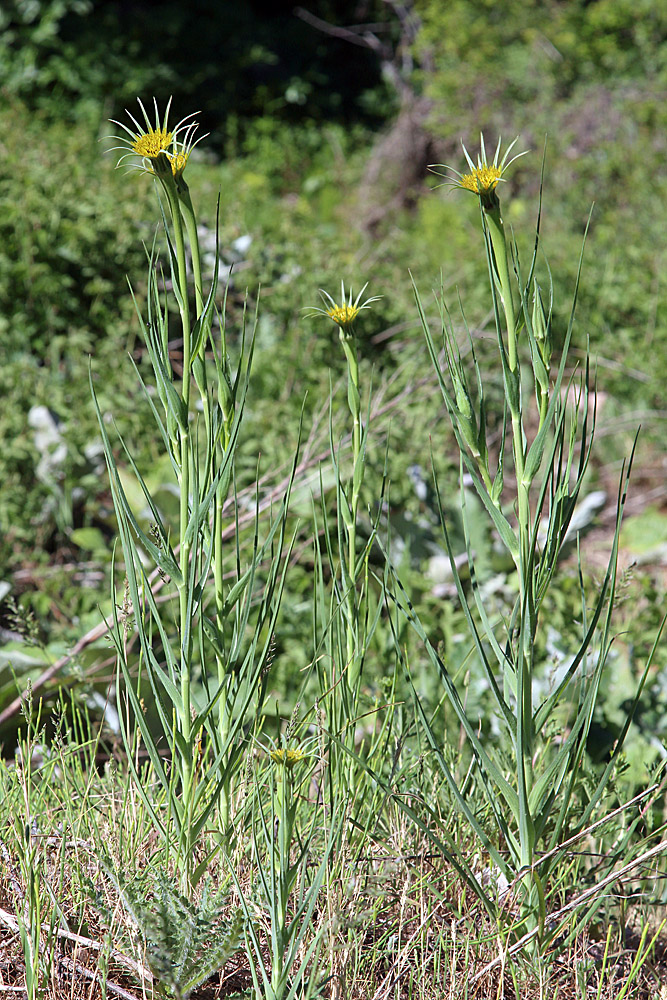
(184, 306)
(199, 369)
(217, 450)
(486, 478)
(193, 237)
(499, 244)
(524, 706)
(501, 260)
(353, 654)
(225, 679)
(183, 588)
(280, 937)
(544, 406)
(185, 720)
(216, 457)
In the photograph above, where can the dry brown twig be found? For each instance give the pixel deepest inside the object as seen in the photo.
(558, 915)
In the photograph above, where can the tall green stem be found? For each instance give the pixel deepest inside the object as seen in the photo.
(282, 875)
(185, 631)
(353, 653)
(199, 364)
(501, 262)
(216, 457)
(523, 662)
(499, 244)
(193, 237)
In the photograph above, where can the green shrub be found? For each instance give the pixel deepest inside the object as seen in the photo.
(68, 240)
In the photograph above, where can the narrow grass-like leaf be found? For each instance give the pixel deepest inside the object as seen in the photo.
(400, 598)
(501, 523)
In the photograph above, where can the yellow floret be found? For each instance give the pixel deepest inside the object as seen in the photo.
(288, 758)
(178, 162)
(343, 315)
(152, 143)
(481, 180)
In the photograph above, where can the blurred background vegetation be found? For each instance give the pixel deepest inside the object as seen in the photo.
(322, 123)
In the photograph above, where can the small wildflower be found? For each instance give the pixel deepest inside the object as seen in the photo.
(152, 143)
(484, 176)
(481, 180)
(161, 149)
(288, 758)
(346, 313)
(178, 163)
(343, 315)
(182, 147)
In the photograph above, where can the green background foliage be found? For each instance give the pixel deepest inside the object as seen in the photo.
(296, 120)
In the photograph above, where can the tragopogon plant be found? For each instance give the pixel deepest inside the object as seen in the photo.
(291, 857)
(205, 676)
(348, 644)
(530, 507)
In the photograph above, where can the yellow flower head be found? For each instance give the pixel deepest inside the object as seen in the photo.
(288, 758)
(178, 163)
(484, 176)
(162, 150)
(150, 144)
(481, 180)
(344, 314)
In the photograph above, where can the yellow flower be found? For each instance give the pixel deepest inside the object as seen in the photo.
(344, 314)
(484, 176)
(481, 179)
(288, 758)
(178, 162)
(161, 149)
(150, 144)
